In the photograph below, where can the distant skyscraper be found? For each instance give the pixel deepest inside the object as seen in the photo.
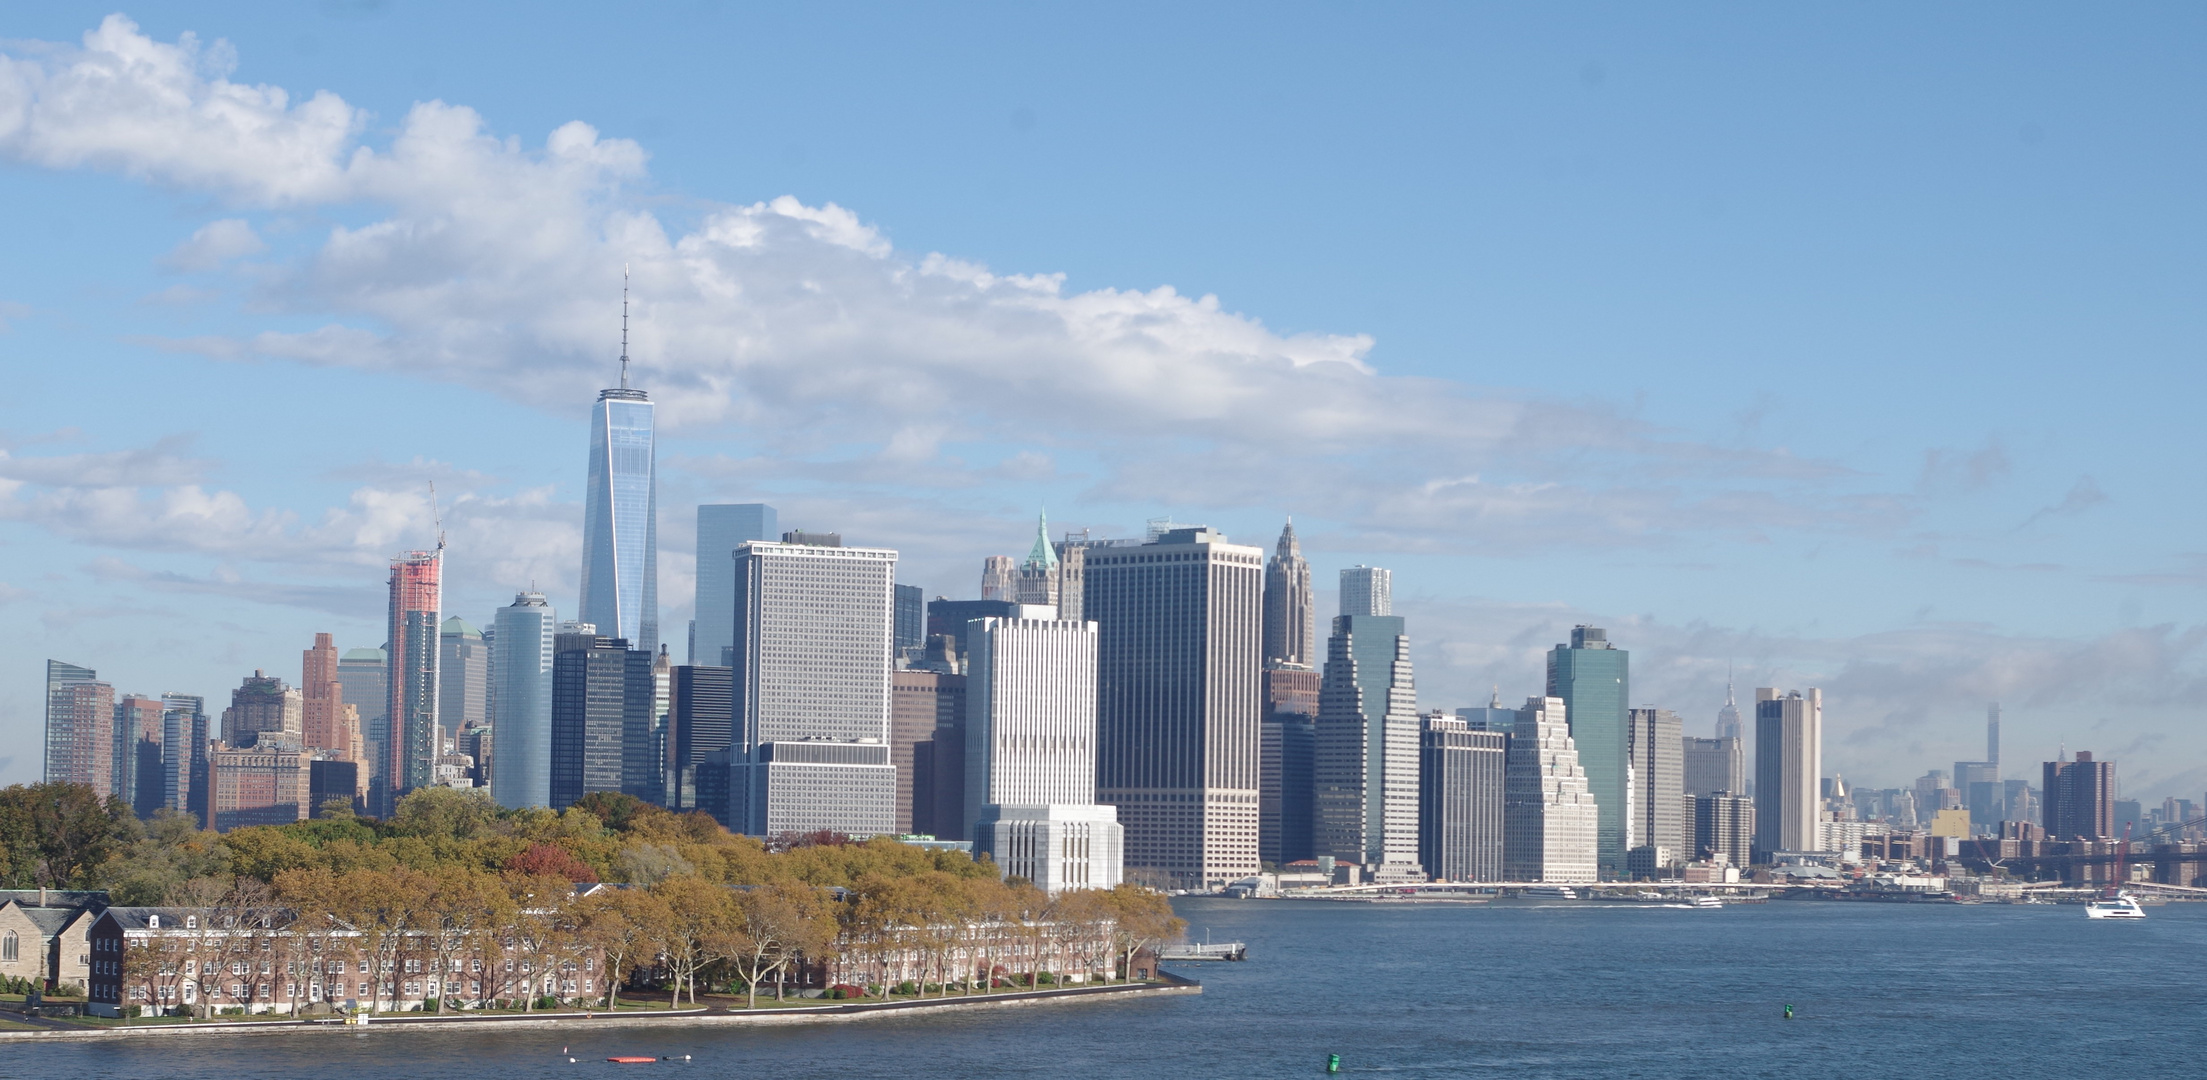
(1036, 580)
(80, 728)
(1367, 590)
(620, 524)
(1461, 783)
(1728, 717)
(1287, 761)
(138, 732)
(1549, 817)
(700, 721)
(1789, 763)
(1180, 648)
(1992, 736)
(1593, 678)
(918, 703)
(1031, 755)
(1290, 611)
(811, 671)
(939, 764)
(601, 717)
(1489, 717)
(410, 754)
(1724, 825)
(953, 618)
(2078, 799)
(1367, 754)
(721, 528)
(184, 754)
(909, 625)
(263, 705)
(268, 783)
(1713, 765)
(1000, 579)
(521, 668)
(1658, 785)
(463, 676)
(328, 723)
(365, 675)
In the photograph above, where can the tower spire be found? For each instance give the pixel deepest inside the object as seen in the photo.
(1728, 683)
(624, 326)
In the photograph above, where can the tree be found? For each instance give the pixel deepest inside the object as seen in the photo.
(60, 834)
(540, 923)
(386, 908)
(445, 812)
(1142, 919)
(695, 933)
(545, 859)
(623, 924)
(776, 924)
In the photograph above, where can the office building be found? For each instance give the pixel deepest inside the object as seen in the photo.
(721, 528)
(521, 670)
(1712, 765)
(1549, 816)
(1031, 755)
(1724, 827)
(411, 628)
(263, 783)
(1789, 769)
(1000, 579)
(1462, 775)
(1367, 752)
(463, 676)
(1658, 785)
(1287, 784)
(919, 703)
(1036, 582)
(1367, 590)
(1593, 677)
(908, 624)
(137, 762)
(1728, 717)
(263, 705)
(80, 728)
(365, 678)
(332, 782)
(1290, 608)
(1181, 624)
(601, 718)
(620, 518)
(947, 618)
(2078, 799)
(811, 675)
(701, 716)
(1979, 781)
(939, 763)
(327, 722)
(184, 739)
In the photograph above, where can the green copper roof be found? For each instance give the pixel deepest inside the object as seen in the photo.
(1043, 555)
(458, 627)
(363, 654)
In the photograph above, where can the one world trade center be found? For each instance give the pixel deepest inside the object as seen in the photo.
(620, 530)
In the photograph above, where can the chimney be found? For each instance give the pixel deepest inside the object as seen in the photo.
(42, 896)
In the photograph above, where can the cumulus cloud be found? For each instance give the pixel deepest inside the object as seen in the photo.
(805, 329)
(214, 243)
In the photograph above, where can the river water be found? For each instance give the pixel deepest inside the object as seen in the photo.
(1508, 990)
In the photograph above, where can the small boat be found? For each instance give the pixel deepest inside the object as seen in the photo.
(1550, 892)
(1706, 902)
(2122, 905)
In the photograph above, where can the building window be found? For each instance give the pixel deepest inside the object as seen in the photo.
(9, 946)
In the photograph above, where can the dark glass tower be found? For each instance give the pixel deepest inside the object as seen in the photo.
(1594, 681)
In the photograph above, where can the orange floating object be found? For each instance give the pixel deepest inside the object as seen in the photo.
(632, 1060)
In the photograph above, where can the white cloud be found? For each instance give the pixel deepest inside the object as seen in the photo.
(807, 330)
(213, 244)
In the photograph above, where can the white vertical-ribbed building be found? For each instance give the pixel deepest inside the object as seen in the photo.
(1031, 754)
(811, 652)
(1548, 812)
(1367, 590)
(1789, 769)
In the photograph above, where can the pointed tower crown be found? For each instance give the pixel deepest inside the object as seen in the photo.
(1042, 555)
(1289, 547)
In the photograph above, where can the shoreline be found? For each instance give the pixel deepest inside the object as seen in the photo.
(1167, 984)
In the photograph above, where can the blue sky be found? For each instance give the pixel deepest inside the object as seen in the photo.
(1858, 348)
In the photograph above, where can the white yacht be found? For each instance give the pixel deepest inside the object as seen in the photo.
(2119, 906)
(1551, 892)
(1706, 901)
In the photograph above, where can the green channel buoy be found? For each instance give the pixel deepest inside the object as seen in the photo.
(1333, 1063)
(1789, 1012)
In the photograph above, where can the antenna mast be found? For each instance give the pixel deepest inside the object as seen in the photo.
(624, 326)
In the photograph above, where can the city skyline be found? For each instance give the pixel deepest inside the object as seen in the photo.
(255, 535)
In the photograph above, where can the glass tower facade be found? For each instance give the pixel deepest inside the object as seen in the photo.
(521, 671)
(1594, 681)
(410, 753)
(721, 527)
(620, 538)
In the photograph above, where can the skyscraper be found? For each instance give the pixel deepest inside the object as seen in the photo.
(1658, 785)
(700, 721)
(138, 733)
(811, 675)
(1724, 826)
(1366, 771)
(365, 675)
(521, 668)
(410, 753)
(2078, 799)
(1549, 817)
(1287, 787)
(1036, 580)
(1789, 765)
(1000, 579)
(1181, 623)
(620, 528)
(601, 716)
(80, 728)
(463, 676)
(263, 705)
(1290, 610)
(184, 754)
(1367, 590)
(721, 528)
(1031, 755)
(909, 624)
(1728, 717)
(938, 763)
(1460, 800)
(326, 720)
(1593, 679)
(1713, 765)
